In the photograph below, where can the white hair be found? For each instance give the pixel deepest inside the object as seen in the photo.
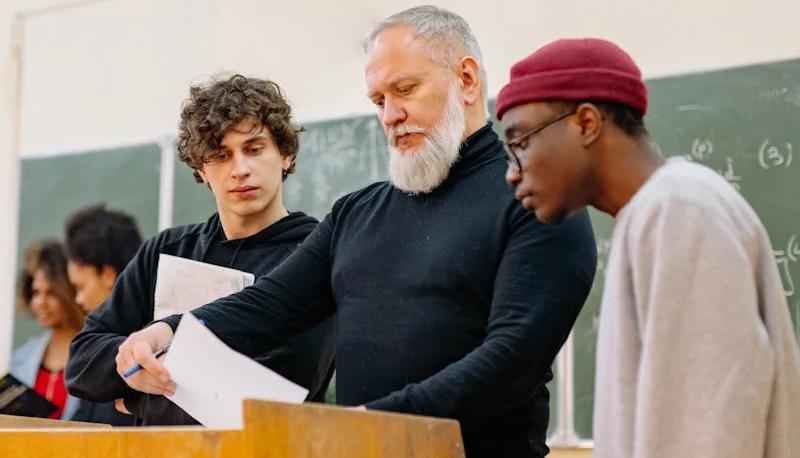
(424, 169)
(449, 34)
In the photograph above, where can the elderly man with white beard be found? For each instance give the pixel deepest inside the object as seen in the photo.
(451, 299)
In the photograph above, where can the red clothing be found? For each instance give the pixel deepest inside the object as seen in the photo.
(51, 386)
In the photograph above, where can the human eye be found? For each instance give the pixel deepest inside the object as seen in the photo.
(518, 146)
(218, 156)
(523, 143)
(377, 101)
(405, 90)
(255, 149)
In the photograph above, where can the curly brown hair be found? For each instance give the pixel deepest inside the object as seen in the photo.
(215, 107)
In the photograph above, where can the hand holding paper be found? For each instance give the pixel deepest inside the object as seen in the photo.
(213, 380)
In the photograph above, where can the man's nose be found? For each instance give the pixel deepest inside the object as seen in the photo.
(241, 165)
(393, 113)
(513, 175)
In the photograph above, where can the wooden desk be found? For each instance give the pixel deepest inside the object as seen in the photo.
(272, 430)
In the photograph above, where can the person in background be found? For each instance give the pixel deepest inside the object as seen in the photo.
(696, 356)
(45, 291)
(99, 244)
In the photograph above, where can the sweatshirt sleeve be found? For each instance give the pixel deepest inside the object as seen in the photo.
(540, 286)
(706, 362)
(291, 298)
(91, 372)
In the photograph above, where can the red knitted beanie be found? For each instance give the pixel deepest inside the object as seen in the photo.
(575, 70)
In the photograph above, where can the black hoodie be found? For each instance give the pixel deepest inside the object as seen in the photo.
(91, 370)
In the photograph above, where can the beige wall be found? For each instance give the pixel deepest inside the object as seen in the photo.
(8, 185)
(114, 71)
(9, 165)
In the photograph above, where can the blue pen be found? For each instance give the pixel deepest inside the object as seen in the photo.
(137, 367)
(159, 353)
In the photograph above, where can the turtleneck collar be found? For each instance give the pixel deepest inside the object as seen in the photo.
(480, 147)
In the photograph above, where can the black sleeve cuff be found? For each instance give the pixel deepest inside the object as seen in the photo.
(172, 321)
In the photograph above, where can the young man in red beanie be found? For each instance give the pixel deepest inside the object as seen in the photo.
(696, 355)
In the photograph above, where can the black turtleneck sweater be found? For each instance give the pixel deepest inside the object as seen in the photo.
(91, 374)
(450, 304)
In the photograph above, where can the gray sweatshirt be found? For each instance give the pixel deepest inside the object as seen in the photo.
(696, 355)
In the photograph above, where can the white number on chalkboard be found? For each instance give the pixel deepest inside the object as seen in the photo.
(770, 156)
(784, 257)
(731, 176)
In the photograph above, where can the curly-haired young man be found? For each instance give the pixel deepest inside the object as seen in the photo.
(238, 137)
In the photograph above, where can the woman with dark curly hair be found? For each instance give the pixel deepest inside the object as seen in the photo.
(45, 291)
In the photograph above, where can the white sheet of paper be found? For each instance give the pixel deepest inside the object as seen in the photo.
(212, 379)
(184, 284)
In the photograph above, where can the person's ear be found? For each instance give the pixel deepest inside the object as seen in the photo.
(591, 121)
(108, 275)
(287, 163)
(468, 72)
(203, 177)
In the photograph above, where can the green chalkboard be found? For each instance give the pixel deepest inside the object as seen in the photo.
(51, 188)
(744, 123)
(335, 157)
(192, 202)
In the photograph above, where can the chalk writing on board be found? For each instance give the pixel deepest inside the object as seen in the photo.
(730, 175)
(692, 108)
(774, 93)
(336, 158)
(773, 155)
(701, 149)
(784, 258)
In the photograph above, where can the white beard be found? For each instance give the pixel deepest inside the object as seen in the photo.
(422, 170)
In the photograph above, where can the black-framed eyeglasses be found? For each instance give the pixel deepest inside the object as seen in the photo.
(514, 147)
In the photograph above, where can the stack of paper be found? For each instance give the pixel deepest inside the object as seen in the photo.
(183, 284)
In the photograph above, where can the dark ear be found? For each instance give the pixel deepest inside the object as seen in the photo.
(108, 275)
(468, 72)
(591, 121)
